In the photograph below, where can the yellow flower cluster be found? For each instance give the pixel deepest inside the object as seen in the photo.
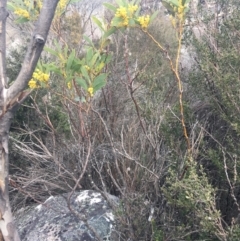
(38, 4)
(33, 84)
(181, 9)
(26, 3)
(122, 13)
(62, 4)
(87, 67)
(38, 76)
(90, 91)
(132, 8)
(22, 13)
(29, 9)
(173, 21)
(69, 85)
(125, 13)
(144, 21)
(34, 8)
(181, 12)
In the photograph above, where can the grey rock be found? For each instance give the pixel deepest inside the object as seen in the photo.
(89, 218)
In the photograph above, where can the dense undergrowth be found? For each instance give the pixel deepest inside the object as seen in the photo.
(129, 141)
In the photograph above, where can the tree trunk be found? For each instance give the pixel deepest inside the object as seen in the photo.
(9, 231)
(11, 98)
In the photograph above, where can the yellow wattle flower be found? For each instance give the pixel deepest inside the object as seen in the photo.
(132, 8)
(45, 77)
(37, 77)
(125, 22)
(87, 67)
(22, 13)
(62, 4)
(144, 21)
(90, 91)
(125, 13)
(121, 12)
(69, 85)
(32, 84)
(180, 9)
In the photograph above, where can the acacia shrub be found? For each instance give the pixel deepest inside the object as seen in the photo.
(116, 142)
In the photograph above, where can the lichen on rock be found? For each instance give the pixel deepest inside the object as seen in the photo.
(89, 216)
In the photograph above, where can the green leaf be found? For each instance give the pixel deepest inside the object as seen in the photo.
(93, 60)
(99, 86)
(89, 55)
(115, 23)
(88, 40)
(110, 6)
(81, 82)
(10, 6)
(125, 3)
(104, 43)
(110, 31)
(106, 58)
(57, 45)
(184, 2)
(138, 10)
(40, 65)
(98, 23)
(119, 2)
(22, 20)
(69, 77)
(76, 65)
(100, 66)
(131, 22)
(65, 51)
(99, 82)
(169, 8)
(85, 73)
(154, 15)
(70, 59)
(174, 2)
(16, 3)
(52, 67)
(51, 51)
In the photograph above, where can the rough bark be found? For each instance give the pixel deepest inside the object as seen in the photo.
(11, 98)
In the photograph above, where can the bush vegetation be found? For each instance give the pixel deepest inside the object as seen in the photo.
(129, 140)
